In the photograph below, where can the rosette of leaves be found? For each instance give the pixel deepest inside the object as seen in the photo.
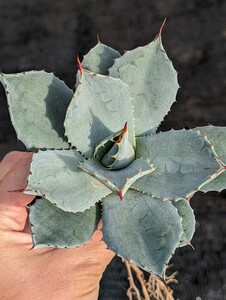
(97, 155)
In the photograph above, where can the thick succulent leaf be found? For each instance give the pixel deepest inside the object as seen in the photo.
(105, 145)
(142, 229)
(37, 104)
(152, 81)
(188, 220)
(217, 137)
(100, 106)
(121, 154)
(54, 174)
(217, 184)
(184, 161)
(117, 181)
(99, 59)
(52, 226)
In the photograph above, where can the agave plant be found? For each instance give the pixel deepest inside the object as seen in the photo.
(97, 155)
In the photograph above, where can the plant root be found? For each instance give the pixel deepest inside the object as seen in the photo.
(152, 289)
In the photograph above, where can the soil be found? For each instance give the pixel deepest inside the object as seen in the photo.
(42, 34)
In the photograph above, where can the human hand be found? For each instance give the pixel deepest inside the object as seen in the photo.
(47, 273)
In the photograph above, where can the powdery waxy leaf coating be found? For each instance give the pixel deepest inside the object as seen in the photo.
(152, 81)
(51, 226)
(142, 229)
(217, 137)
(105, 145)
(184, 160)
(188, 220)
(100, 106)
(135, 165)
(54, 174)
(120, 154)
(99, 59)
(217, 184)
(118, 181)
(37, 104)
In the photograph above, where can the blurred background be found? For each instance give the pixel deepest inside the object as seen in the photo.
(48, 34)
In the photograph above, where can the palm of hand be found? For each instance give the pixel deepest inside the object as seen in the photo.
(47, 273)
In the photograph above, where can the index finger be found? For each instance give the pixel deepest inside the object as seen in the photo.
(8, 161)
(15, 169)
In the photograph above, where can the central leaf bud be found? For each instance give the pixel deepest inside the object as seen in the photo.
(115, 152)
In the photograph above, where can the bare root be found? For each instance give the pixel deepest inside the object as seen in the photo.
(152, 289)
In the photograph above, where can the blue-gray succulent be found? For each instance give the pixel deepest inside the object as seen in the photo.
(97, 154)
